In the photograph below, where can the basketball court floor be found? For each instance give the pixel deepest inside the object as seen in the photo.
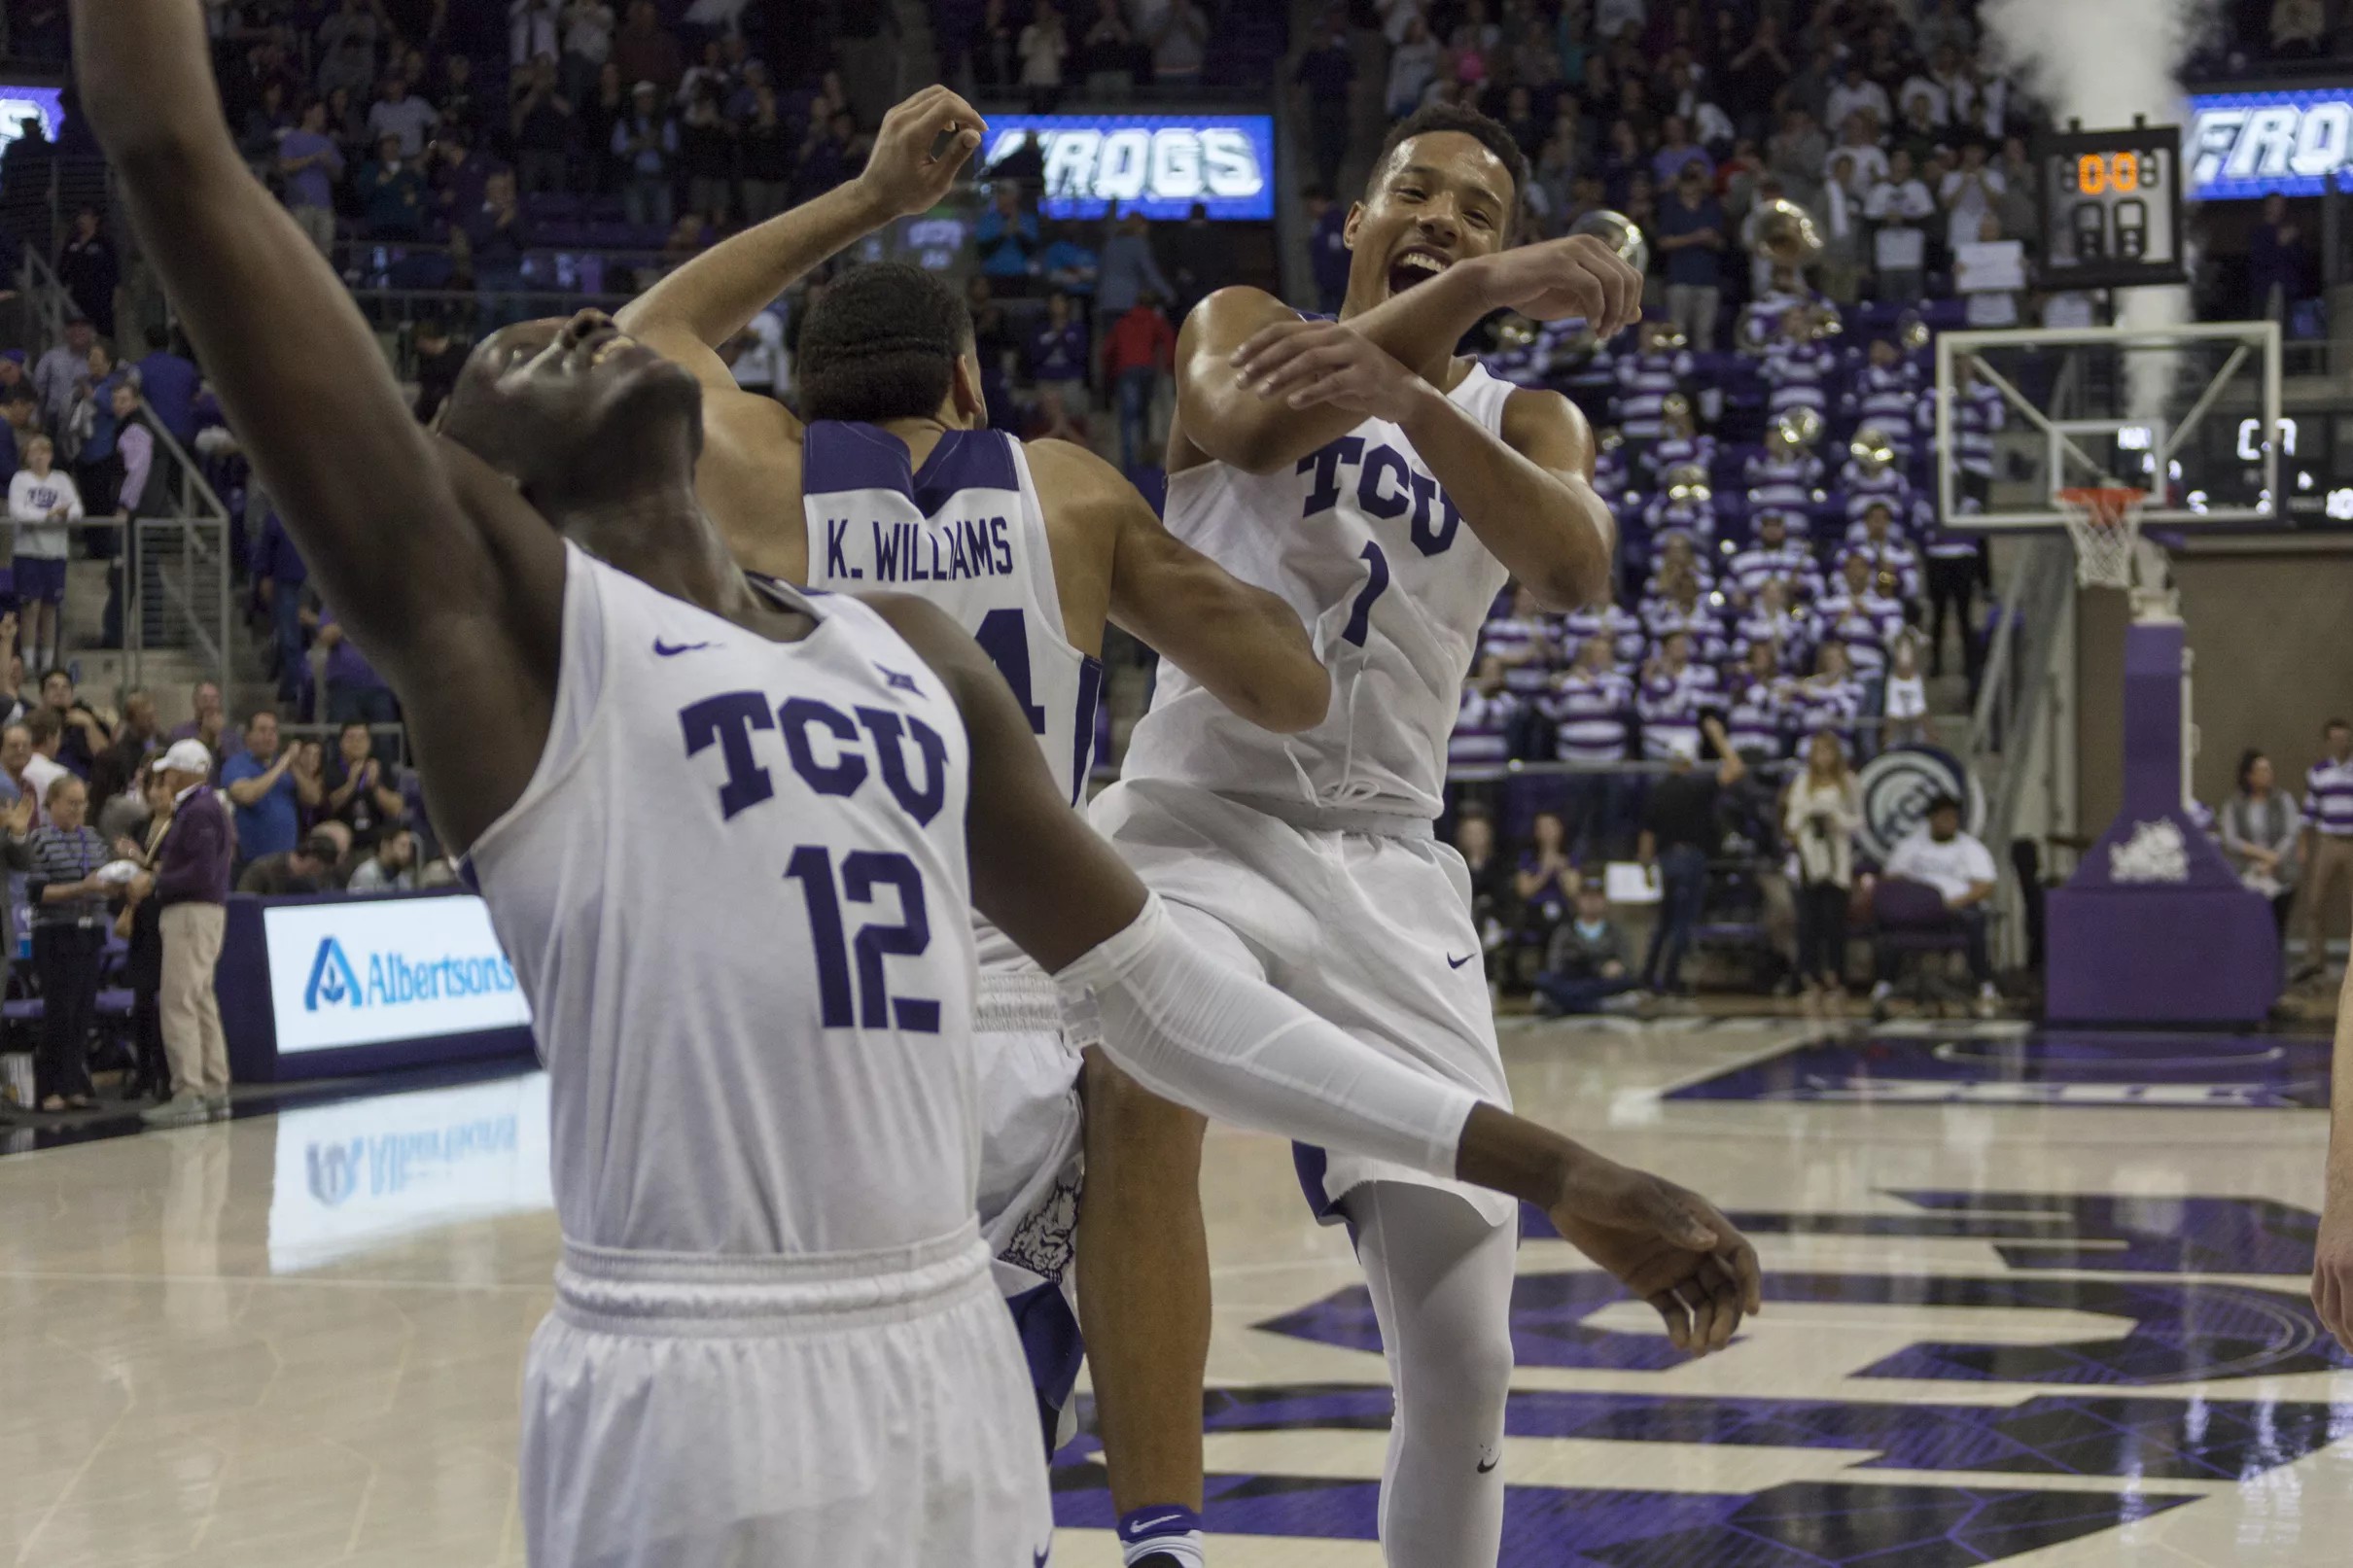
(2033, 1299)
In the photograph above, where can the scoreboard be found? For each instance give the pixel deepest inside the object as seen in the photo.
(2112, 208)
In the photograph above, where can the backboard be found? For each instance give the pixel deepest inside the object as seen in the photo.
(2189, 413)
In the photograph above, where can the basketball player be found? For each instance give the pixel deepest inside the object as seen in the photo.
(774, 1340)
(1387, 490)
(1031, 547)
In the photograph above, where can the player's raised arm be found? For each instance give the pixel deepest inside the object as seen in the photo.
(1244, 644)
(1242, 353)
(923, 142)
(300, 375)
(1238, 1050)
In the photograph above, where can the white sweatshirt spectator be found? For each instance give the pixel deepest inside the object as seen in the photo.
(40, 504)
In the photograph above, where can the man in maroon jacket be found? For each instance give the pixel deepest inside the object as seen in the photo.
(192, 891)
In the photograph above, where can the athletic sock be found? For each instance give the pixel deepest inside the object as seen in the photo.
(1170, 1529)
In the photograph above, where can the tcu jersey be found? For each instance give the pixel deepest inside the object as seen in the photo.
(964, 531)
(1359, 538)
(735, 893)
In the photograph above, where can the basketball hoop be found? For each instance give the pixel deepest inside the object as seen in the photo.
(2105, 523)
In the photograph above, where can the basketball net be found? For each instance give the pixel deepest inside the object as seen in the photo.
(2105, 523)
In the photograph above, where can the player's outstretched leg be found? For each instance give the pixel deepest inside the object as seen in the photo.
(1143, 1303)
(1441, 1282)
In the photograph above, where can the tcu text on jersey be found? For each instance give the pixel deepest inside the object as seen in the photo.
(1385, 486)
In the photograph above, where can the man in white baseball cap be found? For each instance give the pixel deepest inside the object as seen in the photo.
(191, 891)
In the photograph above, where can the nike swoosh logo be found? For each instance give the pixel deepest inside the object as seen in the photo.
(1040, 1558)
(671, 650)
(1491, 1464)
(1147, 1524)
(1457, 964)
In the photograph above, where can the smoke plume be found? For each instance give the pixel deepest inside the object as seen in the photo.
(2102, 62)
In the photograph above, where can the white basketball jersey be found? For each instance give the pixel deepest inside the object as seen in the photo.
(1360, 538)
(735, 893)
(966, 532)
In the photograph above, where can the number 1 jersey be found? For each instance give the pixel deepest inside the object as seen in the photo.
(1360, 538)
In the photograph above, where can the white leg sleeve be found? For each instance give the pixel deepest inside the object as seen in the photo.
(1235, 1049)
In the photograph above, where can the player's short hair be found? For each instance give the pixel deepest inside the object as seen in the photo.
(1488, 133)
(880, 342)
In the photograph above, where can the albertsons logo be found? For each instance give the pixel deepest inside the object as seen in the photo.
(395, 979)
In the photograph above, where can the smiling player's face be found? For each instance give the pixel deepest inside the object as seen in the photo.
(1440, 198)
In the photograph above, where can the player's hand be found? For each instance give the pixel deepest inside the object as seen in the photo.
(2333, 1268)
(1311, 363)
(1555, 279)
(923, 143)
(1666, 1245)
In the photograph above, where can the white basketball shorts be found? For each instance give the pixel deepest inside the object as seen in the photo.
(1369, 930)
(868, 1409)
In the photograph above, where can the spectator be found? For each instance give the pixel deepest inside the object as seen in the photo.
(90, 426)
(757, 357)
(1939, 854)
(1326, 71)
(1138, 352)
(1053, 419)
(1591, 708)
(460, 175)
(1200, 259)
(167, 383)
(81, 733)
(1069, 266)
(533, 28)
(539, 120)
(268, 794)
(1126, 269)
(1967, 196)
(1855, 94)
(1586, 962)
(41, 502)
(1180, 44)
(706, 156)
(61, 859)
(279, 573)
(1485, 718)
(2276, 261)
(1006, 237)
(401, 115)
(2297, 29)
(1108, 47)
(1691, 233)
(140, 494)
(1903, 720)
(1544, 881)
(354, 689)
(1327, 248)
(1681, 829)
(995, 50)
(438, 359)
(497, 236)
(391, 193)
(644, 141)
(1678, 152)
(390, 868)
(347, 48)
(460, 104)
(600, 114)
(1823, 811)
(90, 270)
(138, 926)
(1058, 350)
(587, 46)
(60, 373)
(1475, 841)
(1750, 79)
(2260, 830)
(309, 164)
(1898, 205)
(647, 51)
(307, 868)
(766, 146)
(2328, 842)
(209, 713)
(1044, 44)
(191, 892)
(356, 793)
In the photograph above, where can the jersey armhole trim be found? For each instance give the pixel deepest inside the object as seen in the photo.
(567, 747)
(1045, 588)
